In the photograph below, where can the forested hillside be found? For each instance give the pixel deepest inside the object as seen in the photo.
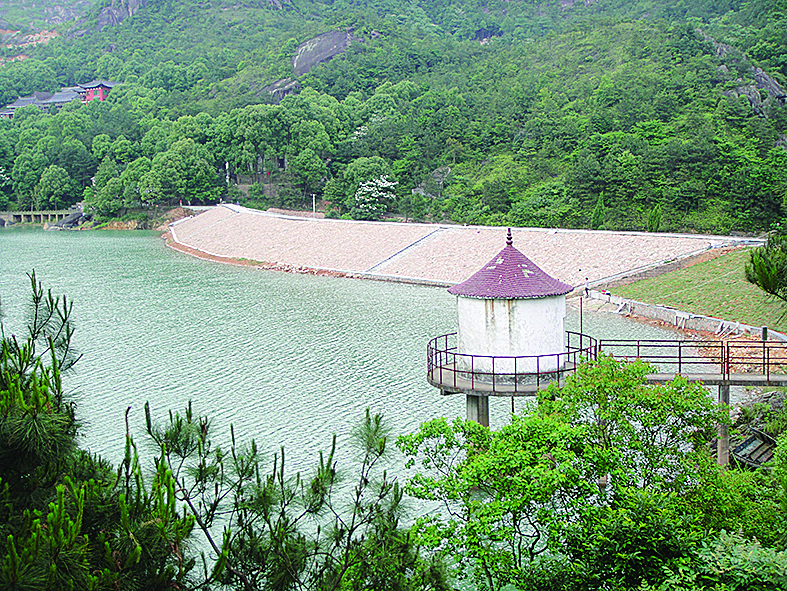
(36, 15)
(611, 114)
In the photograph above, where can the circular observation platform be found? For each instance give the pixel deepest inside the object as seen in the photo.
(489, 375)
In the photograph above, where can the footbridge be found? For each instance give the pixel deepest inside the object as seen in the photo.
(721, 363)
(34, 217)
(714, 363)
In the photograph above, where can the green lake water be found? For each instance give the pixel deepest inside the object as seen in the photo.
(287, 359)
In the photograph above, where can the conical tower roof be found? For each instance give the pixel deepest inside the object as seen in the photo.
(510, 275)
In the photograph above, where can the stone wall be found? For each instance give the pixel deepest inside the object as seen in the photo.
(681, 319)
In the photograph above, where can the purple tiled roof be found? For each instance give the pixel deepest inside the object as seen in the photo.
(510, 275)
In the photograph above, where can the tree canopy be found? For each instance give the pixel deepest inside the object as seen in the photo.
(519, 115)
(606, 483)
(767, 266)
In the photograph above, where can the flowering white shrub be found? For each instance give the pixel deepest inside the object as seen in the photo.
(372, 198)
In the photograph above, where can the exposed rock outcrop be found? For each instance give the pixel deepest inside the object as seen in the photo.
(118, 11)
(319, 49)
(759, 81)
(753, 92)
(308, 54)
(71, 221)
(765, 82)
(52, 12)
(282, 88)
(115, 13)
(15, 39)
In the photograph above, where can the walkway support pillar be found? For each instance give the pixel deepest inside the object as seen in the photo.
(478, 409)
(723, 440)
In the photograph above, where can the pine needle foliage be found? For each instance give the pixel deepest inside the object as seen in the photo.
(68, 520)
(320, 531)
(767, 267)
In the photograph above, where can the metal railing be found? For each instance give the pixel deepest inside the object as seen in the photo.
(722, 358)
(503, 375)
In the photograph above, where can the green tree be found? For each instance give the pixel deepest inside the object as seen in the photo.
(309, 169)
(26, 173)
(185, 172)
(285, 531)
(654, 218)
(73, 156)
(102, 145)
(108, 169)
(544, 205)
(767, 267)
(607, 458)
(68, 520)
(195, 178)
(55, 189)
(376, 174)
(599, 214)
(123, 150)
(131, 178)
(373, 198)
(107, 201)
(5, 188)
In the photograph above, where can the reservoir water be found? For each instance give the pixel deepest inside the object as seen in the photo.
(287, 359)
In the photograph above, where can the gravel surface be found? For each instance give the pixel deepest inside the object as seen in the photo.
(442, 254)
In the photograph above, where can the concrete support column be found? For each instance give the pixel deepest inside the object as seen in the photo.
(723, 440)
(478, 409)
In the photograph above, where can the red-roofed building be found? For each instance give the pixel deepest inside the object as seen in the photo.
(97, 89)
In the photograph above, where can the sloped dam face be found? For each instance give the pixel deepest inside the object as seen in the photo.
(287, 359)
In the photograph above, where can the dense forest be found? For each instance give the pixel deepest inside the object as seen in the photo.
(606, 115)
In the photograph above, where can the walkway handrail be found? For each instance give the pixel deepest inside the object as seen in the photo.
(39, 212)
(714, 361)
(719, 357)
(501, 374)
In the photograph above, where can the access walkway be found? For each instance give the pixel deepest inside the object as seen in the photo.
(720, 363)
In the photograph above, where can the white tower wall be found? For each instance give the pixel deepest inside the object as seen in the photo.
(517, 327)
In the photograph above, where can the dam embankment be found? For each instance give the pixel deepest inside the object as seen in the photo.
(435, 254)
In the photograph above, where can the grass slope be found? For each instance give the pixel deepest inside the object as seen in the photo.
(717, 288)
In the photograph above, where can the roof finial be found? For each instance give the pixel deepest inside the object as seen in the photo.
(509, 238)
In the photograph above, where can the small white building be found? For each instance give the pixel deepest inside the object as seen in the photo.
(511, 333)
(511, 308)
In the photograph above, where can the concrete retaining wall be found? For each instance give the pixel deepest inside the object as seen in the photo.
(681, 319)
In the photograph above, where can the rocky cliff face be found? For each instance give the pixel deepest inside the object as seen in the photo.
(752, 88)
(41, 14)
(16, 40)
(118, 11)
(115, 13)
(307, 55)
(319, 49)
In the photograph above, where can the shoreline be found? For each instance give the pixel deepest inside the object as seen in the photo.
(438, 255)
(433, 254)
(199, 254)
